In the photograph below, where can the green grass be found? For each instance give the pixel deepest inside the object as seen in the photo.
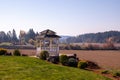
(27, 68)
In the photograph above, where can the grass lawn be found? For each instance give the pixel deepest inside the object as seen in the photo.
(27, 68)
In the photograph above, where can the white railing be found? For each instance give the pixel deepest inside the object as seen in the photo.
(53, 51)
(50, 49)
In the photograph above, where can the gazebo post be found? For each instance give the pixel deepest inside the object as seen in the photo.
(50, 44)
(57, 41)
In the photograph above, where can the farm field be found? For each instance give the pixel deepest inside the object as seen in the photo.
(28, 68)
(104, 58)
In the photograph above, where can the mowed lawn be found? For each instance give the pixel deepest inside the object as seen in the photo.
(28, 68)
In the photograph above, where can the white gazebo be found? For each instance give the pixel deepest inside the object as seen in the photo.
(47, 40)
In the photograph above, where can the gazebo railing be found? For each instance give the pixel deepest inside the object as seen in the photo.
(49, 49)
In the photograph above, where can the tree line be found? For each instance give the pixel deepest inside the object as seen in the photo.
(101, 37)
(9, 37)
(29, 37)
(23, 38)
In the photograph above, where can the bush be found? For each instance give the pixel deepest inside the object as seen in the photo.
(3, 51)
(92, 65)
(24, 55)
(8, 54)
(44, 55)
(82, 64)
(53, 59)
(105, 72)
(116, 74)
(72, 62)
(16, 52)
(63, 59)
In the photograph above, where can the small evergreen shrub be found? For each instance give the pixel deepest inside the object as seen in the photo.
(24, 55)
(54, 59)
(44, 55)
(92, 65)
(82, 64)
(8, 54)
(16, 52)
(105, 72)
(3, 51)
(116, 74)
(63, 59)
(72, 62)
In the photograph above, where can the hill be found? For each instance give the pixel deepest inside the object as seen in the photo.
(100, 37)
(26, 68)
(64, 38)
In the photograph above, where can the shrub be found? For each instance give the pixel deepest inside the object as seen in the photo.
(53, 59)
(3, 51)
(116, 74)
(24, 55)
(72, 62)
(105, 72)
(8, 54)
(63, 59)
(92, 65)
(16, 52)
(44, 55)
(82, 64)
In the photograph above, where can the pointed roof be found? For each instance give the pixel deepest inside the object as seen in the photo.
(48, 34)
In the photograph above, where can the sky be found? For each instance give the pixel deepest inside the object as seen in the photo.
(65, 17)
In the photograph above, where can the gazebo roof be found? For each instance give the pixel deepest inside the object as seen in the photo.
(48, 34)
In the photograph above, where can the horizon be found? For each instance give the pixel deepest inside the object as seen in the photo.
(65, 17)
(58, 34)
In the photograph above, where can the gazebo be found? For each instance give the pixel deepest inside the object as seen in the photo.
(47, 40)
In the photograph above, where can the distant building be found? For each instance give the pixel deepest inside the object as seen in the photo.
(48, 41)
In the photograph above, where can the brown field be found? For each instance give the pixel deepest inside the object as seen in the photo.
(105, 59)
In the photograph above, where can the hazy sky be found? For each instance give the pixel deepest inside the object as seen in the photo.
(66, 17)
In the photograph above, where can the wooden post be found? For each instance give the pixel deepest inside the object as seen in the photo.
(57, 46)
(50, 44)
(44, 44)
